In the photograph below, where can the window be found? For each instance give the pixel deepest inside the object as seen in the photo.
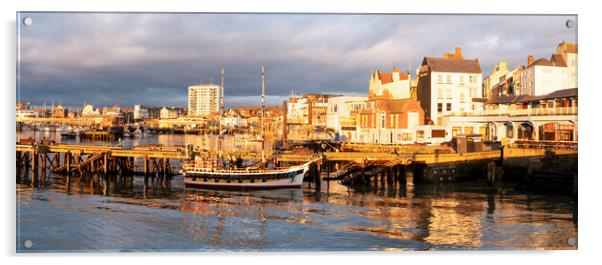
(461, 80)
(472, 78)
(438, 133)
(462, 97)
(406, 137)
(439, 107)
(456, 130)
(439, 79)
(382, 121)
(449, 93)
(420, 134)
(448, 106)
(449, 79)
(440, 93)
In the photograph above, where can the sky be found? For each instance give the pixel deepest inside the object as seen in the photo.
(152, 58)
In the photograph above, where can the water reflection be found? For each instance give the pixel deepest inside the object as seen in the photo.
(137, 214)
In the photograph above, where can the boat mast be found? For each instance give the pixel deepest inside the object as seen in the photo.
(262, 114)
(221, 111)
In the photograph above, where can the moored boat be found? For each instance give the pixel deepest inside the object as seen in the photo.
(200, 177)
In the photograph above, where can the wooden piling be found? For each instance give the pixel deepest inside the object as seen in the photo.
(389, 176)
(34, 163)
(105, 163)
(402, 175)
(68, 162)
(145, 166)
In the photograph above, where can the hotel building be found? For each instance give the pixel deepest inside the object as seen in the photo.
(203, 99)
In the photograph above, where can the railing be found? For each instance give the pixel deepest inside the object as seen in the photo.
(554, 145)
(194, 168)
(520, 112)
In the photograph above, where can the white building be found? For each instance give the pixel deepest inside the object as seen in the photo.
(140, 112)
(232, 121)
(568, 52)
(203, 99)
(309, 109)
(166, 113)
(89, 110)
(545, 76)
(341, 115)
(393, 85)
(25, 114)
(449, 84)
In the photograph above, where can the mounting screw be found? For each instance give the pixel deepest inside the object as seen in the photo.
(571, 241)
(28, 243)
(570, 23)
(27, 21)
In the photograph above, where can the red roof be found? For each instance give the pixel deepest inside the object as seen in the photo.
(386, 78)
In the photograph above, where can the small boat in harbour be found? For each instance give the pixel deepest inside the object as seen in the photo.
(292, 177)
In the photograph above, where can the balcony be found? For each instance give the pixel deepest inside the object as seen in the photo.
(520, 112)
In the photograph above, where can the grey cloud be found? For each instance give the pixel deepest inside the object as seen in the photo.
(129, 58)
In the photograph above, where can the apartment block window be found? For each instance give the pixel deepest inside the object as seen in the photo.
(440, 93)
(448, 107)
(462, 97)
(449, 93)
(461, 80)
(439, 107)
(382, 121)
(449, 79)
(439, 79)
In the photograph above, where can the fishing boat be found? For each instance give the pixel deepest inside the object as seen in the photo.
(198, 175)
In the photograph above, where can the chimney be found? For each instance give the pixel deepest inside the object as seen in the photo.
(530, 60)
(458, 53)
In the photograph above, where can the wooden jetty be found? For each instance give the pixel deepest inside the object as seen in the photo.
(87, 160)
(438, 165)
(389, 166)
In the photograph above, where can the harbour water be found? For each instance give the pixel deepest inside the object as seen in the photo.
(82, 215)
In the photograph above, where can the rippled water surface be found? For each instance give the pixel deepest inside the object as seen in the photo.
(64, 214)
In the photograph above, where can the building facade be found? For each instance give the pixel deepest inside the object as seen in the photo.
(390, 85)
(500, 70)
(203, 99)
(341, 116)
(140, 112)
(449, 84)
(389, 121)
(168, 113)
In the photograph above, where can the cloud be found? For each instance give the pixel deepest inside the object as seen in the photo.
(131, 58)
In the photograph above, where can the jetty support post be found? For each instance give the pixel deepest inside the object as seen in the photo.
(402, 175)
(68, 162)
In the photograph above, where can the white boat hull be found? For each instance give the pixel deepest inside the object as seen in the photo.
(220, 180)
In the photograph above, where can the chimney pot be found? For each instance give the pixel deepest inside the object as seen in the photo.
(530, 59)
(458, 52)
